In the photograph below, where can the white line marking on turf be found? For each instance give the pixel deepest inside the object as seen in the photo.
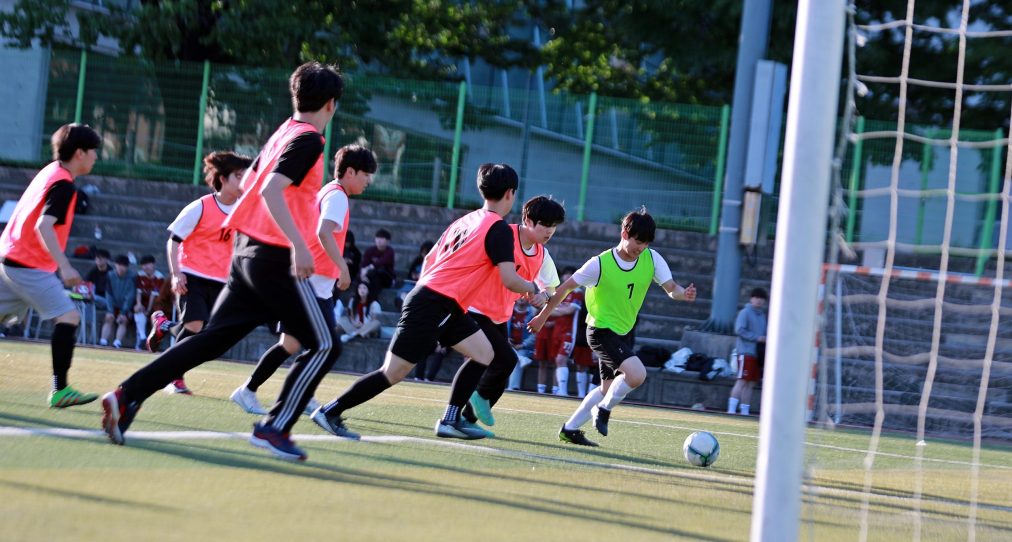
(513, 454)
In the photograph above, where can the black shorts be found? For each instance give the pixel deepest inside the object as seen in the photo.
(428, 317)
(196, 304)
(326, 307)
(611, 349)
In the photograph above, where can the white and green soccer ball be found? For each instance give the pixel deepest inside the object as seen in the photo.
(701, 449)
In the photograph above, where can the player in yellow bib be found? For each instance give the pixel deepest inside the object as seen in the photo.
(616, 281)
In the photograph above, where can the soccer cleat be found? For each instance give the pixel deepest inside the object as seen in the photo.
(575, 436)
(68, 397)
(333, 425)
(457, 429)
(311, 407)
(278, 443)
(178, 386)
(475, 428)
(117, 415)
(482, 409)
(247, 400)
(158, 328)
(601, 416)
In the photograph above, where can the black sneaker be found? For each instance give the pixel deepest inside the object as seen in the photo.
(468, 413)
(117, 415)
(575, 436)
(459, 429)
(278, 443)
(601, 416)
(333, 424)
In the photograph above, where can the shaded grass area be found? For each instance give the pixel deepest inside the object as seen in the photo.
(522, 485)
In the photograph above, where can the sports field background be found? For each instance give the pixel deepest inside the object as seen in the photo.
(187, 472)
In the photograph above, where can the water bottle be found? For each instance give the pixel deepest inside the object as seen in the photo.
(98, 232)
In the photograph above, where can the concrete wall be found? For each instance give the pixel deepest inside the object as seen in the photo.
(22, 102)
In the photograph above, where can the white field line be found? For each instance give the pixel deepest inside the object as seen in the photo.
(744, 481)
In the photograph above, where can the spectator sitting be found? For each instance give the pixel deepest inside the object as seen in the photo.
(414, 271)
(99, 277)
(378, 264)
(149, 280)
(361, 319)
(120, 296)
(352, 257)
(521, 339)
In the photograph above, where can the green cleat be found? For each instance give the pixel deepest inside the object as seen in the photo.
(68, 397)
(475, 428)
(482, 409)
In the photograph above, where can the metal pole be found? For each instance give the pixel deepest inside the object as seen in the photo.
(718, 175)
(755, 25)
(588, 142)
(81, 71)
(855, 181)
(199, 154)
(457, 132)
(838, 328)
(797, 263)
(987, 229)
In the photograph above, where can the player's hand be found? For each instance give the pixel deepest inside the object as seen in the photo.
(344, 282)
(70, 276)
(302, 262)
(538, 300)
(690, 293)
(538, 322)
(179, 284)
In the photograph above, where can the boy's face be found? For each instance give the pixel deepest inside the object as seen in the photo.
(231, 186)
(101, 262)
(632, 246)
(758, 302)
(355, 182)
(87, 159)
(148, 268)
(542, 234)
(121, 269)
(382, 243)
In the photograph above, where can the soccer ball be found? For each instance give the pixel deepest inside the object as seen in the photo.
(701, 449)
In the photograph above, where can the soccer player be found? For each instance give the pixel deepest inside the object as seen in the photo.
(539, 218)
(199, 251)
(354, 167)
(616, 283)
(472, 260)
(268, 281)
(31, 250)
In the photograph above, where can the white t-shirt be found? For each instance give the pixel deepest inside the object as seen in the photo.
(548, 275)
(334, 207)
(590, 272)
(187, 220)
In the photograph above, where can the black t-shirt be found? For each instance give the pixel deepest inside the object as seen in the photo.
(499, 243)
(299, 157)
(58, 200)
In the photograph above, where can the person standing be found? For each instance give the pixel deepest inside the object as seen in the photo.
(268, 280)
(32, 250)
(750, 327)
(616, 283)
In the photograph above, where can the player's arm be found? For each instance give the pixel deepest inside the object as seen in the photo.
(272, 193)
(560, 293)
(179, 230)
(175, 272)
(499, 248)
(662, 276)
(57, 205)
(325, 233)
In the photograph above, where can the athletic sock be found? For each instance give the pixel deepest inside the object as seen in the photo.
(582, 414)
(451, 414)
(744, 410)
(618, 390)
(365, 388)
(141, 321)
(268, 365)
(581, 384)
(466, 382)
(62, 344)
(562, 375)
(541, 388)
(732, 405)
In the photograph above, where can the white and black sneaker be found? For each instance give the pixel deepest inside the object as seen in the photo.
(575, 436)
(333, 425)
(458, 429)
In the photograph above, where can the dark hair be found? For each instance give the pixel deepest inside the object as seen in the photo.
(70, 138)
(355, 157)
(349, 238)
(758, 292)
(312, 85)
(383, 233)
(494, 180)
(122, 260)
(222, 164)
(569, 269)
(426, 247)
(639, 225)
(544, 210)
(102, 253)
(147, 258)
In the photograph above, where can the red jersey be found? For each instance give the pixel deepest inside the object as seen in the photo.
(148, 286)
(499, 304)
(458, 266)
(321, 261)
(567, 321)
(251, 216)
(207, 251)
(518, 323)
(19, 242)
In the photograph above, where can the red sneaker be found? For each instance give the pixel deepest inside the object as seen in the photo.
(158, 328)
(178, 386)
